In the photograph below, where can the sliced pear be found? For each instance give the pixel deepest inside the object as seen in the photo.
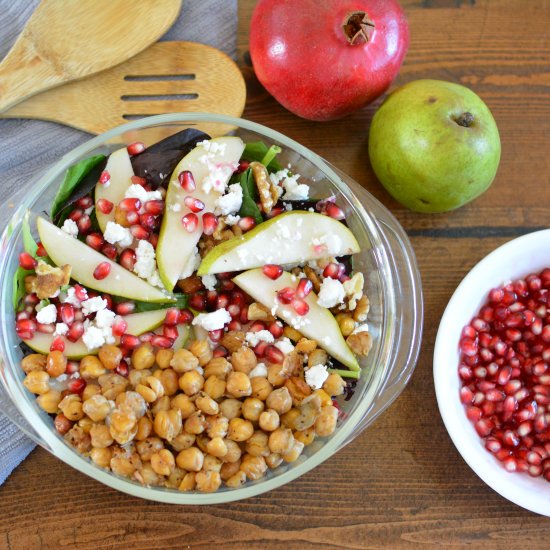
(138, 323)
(289, 238)
(318, 324)
(64, 249)
(121, 171)
(176, 244)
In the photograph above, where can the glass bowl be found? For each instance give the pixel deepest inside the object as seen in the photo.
(392, 282)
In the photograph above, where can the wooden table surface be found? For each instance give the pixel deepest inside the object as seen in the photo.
(401, 483)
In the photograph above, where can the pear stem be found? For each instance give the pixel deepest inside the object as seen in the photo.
(465, 119)
(358, 28)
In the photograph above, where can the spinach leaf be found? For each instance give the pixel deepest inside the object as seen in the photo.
(74, 176)
(249, 206)
(260, 152)
(29, 243)
(180, 303)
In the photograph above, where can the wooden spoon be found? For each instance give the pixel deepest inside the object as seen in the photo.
(67, 40)
(167, 77)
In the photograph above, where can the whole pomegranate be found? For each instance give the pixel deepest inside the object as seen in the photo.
(323, 59)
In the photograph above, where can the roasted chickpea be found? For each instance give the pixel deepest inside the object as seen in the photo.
(254, 467)
(238, 384)
(261, 387)
(243, 360)
(37, 382)
(231, 408)
(97, 407)
(163, 358)
(162, 404)
(334, 385)
(275, 375)
(188, 482)
(71, 407)
(281, 441)
(305, 436)
(216, 447)
(236, 480)
(233, 451)
(148, 447)
(91, 367)
(214, 387)
(147, 476)
(257, 445)
(269, 420)
(217, 426)
(76, 437)
(101, 456)
(133, 402)
(325, 424)
(90, 390)
(295, 452)
(212, 463)
(206, 404)
(229, 468)
(163, 462)
(34, 361)
(240, 429)
(62, 424)
(169, 379)
(289, 419)
(49, 401)
(207, 481)
(273, 460)
(279, 400)
(190, 459)
(143, 357)
(183, 441)
(324, 397)
(183, 361)
(110, 356)
(56, 363)
(195, 424)
(175, 478)
(144, 428)
(168, 424)
(86, 424)
(219, 367)
(201, 350)
(252, 408)
(101, 436)
(112, 384)
(125, 461)
(191, 382)
(184, 404)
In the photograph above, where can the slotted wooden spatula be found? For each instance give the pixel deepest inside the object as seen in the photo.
(69, 39)
(167, 77)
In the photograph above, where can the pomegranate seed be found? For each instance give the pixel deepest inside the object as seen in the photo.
(511, 439)
(125, 308)
(493, 445)
(139, 180)
(484, 427)
(305, 286)
(274, 355)
(170, 332)
(247, 223)
(474, 413)
(480, 325)
(130, 205)
(119, 326)
(84, 224)
(185, 317)
(286, 295)
(220, 351)
(23, 315)
(273, 271)
(468, 347)
(84, 202)
(466, 395)
(222, 300)
(127, 259)
(260, 349)
(139, 232)
(77, 385)
(243, 166)
(154, 239)
(195, 205)
(75, 214)
(129, 341)
(154, 207)
(41, 251)
(257, 326)
(104, 178)
(234, 325)
(275, 211)
(276, 328)
(187, 181)
(132, 217)
(237, 296)
(109, 250)
(122, 369)
(215, 335)
(334, 211)
(67, 313)
(136, 148)
(235, 312)
(76, 330)
(300, 306)
(25, 325)
(197, 301)
(335, 271)
(105, 206)
(102, 270)
(465, 373)
(26, 261)
(190, 222)
(58, 344)
(172, 316)
(148, 221)
(480, 372)
(510, 464)
(95, 241)
(45, 329)
(525, 428)
(209, 223)
(146, 337)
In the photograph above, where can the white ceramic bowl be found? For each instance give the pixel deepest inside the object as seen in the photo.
(514, 260)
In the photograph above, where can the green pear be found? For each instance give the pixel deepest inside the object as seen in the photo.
(293, 237)
(434, 145)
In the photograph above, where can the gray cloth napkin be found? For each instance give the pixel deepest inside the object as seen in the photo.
(28, 146)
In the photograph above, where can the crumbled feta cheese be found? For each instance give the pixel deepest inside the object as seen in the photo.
(47, 315)
(213, 147)
(259, 370)
(136, 191)
(155, 279)
(193, 262)
(217, 177)
(92, 305)
(293, 189)
(254, 338)
(209, 282)
(61, 329)
(116, 234)
(232, 220)
(326, 243)
(230, 202)
(285, 345)
(70, 227)
(288, 206)
(332, 293)
(145, 260)
(71, 298)
(93, 337)
(212, 321)
(89, 210)
(105, 318)
(316, 376)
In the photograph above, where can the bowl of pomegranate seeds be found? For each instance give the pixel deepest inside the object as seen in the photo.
(203, 317)
(492, 370)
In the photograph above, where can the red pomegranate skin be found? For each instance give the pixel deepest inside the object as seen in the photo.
(303, 57)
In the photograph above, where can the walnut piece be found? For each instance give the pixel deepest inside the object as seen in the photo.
(191, 284)
(48, 280)
(360, 343)
(354, 289)
(267, 191)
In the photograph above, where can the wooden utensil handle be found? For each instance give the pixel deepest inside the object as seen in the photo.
(24, 72)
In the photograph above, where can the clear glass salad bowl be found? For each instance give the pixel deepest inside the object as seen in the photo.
(392, 283)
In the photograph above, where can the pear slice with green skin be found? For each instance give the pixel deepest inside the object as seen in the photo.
(138, 323)
(293, 237)
(176, 245)
(120, 171)
(318, 323)
(63, 249)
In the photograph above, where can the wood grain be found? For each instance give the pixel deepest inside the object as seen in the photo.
(64, 41)
(400, 484)
(167, 77)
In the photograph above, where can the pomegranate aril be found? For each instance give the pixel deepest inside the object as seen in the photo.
(496, 295)
(102, 271)
(137, 180)
(172, 317)
(274, 355)
(235, 311)
(67, 313)
(26, 261)
(334, 211)
(187, 181)
(153, 239)
(247, 223)
(125, 308)
(190, 222)
(466, 395)
(130, 204)
(170, 332)
(510, 464)
(109, 250)
(215, 335)
(148, 221)
(474, 413)
(132, 217)
(58, 344)
(197, 301)
(335, 271)
(468, 347)
(534, 470)
(286, 295)
(185, 317)
(465, 373)
(275, 211)
(484, 427)
(154, 207)
(119, 326)
(139, 232)
(276, 328)
(195, 205)
(209, 223)
(257, 326)
(76, 330)
(129, 341)
(41, 251)
(122, 369)
(300, 306)
(220, 351)
(234, 325)
(222, 300)
(146, 337)
(493, 445)
(273, 271)
(105, 206)
(305, 286)
(76, 385)
(260, 349)
(95, 240)
(136, 148)
(127, 259)
(104, 177)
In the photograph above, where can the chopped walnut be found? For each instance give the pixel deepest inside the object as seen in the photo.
(233, 340)
(298, 389)
(354, 290)
(360, 343)
(206, 244)
(191, 284)
(361, 309)
(313, 277)
(291, 364)
(258, 312)
(219, 228)
(267, 190)
(48, 280)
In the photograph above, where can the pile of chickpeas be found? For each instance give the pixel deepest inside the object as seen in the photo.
(187, 419)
